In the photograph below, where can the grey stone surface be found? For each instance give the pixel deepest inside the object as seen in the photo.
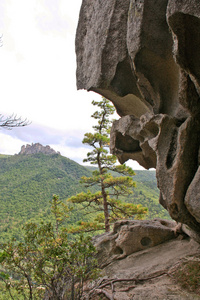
(192, 199)
(156, 262)
(129, 236)
(37, 148)
(144, 56)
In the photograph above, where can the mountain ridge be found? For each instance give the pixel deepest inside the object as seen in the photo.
(27, 183)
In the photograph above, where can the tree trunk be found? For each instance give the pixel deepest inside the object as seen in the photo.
(104, 195)
(106, 212)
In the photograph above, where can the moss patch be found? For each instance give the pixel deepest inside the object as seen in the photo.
(188, 275)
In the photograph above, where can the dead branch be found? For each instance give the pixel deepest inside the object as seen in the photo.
(110, 282)
(12, 121)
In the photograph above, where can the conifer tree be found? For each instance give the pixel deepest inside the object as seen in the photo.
(48, 264)
(111, 187)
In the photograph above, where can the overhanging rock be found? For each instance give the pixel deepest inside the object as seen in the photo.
(145, 57)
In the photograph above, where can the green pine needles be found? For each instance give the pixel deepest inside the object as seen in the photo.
(108, 200)
(48, 264)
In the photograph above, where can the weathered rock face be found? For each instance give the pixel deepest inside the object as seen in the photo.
(157, 265)
(144, 56)
(130, 236)
(37, 148)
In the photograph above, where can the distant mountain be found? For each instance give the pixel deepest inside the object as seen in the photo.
(28, 181)
(37, 148)
(146, 193)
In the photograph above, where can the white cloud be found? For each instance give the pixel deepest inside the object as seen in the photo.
(76, 154)
(37, 76)
(9, 145)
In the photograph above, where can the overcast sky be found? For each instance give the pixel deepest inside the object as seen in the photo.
(38, 77)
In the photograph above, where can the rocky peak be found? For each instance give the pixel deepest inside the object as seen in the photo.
(37, 148)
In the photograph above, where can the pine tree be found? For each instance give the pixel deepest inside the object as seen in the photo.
(48, 264)
(112, 187)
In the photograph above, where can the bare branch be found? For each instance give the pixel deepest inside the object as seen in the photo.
(13, 121)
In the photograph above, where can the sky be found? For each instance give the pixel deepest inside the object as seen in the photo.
(38, 77)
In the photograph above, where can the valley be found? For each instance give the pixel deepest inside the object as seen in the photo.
(27, 183)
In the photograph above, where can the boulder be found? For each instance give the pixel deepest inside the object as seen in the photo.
(130, 236)
(144, 57)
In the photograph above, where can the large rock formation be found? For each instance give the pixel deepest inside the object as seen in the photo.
(154, 271)
(143, 259)
(130, 236)
(37, 148)
(144, 56)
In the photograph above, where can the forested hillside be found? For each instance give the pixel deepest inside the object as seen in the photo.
(27, 183)
(147, 194)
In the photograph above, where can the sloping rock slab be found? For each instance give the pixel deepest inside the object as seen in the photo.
(153, 263)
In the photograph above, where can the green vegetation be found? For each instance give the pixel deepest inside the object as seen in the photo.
(27, 182)
(147, 194)
(187, 274)
(107, 201)
(40, 256)
(47, 264)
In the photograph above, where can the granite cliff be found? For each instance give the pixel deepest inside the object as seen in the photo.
(143, 55)
(36, 148)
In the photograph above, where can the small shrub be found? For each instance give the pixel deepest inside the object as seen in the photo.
(188, 276)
